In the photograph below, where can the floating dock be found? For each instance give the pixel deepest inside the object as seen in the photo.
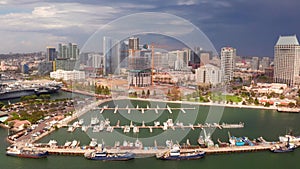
(164, 127)
(137, 108)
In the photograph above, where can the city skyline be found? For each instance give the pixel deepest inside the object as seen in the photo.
(29, 26)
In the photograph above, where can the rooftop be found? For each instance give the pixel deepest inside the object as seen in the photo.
(287, 40)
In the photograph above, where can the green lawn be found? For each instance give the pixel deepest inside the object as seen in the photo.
(226, 97)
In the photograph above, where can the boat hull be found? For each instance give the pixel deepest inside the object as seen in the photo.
(125, 157)
(283, 151)
(184, 157)
(28, 155)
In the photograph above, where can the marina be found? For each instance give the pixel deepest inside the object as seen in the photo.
(105, 126)
(142, 110)
(271, 132)
(74, 148)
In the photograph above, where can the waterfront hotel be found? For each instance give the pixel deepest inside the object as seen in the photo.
(287, 60)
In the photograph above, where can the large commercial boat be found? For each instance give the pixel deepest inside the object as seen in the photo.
(105, 156)
(16, 90)
(176, 154)
(26, 153)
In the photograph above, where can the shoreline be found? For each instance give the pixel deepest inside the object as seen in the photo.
(206, 104)
(237, 105)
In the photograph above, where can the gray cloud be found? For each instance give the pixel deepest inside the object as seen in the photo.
(250, 26)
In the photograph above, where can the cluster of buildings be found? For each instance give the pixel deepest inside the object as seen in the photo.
(145, 64)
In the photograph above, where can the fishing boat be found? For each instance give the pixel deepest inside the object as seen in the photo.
(222, 144)
(74, 143)
(67, 143)
(94, 121)
(105, 156)
(84, 128)
(206, 141)
(52, 143)
(126, 129)
(109, 129)
(70, 129)
(136, 129)
(81, 121)
(201, 142)
(138, 144)
(289, 147)
(26, 153)
(93, 143)
(235, 140)
(176, 154)
(289, 137)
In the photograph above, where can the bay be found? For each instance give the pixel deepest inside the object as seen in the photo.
(267, 123)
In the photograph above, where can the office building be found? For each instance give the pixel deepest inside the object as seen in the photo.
(44, 68)
(68, 75)
(255, 63)
(51, 54)
(287, 60)
(139, 65)
(265, 63)
(227, 63)
(68, 54)
(209, 74)
(68, 51)
(25, 68)
(111, 53)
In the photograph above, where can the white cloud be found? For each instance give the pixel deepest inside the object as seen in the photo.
(187, 2)
(3, 2)
(45, 11)
(54, 20)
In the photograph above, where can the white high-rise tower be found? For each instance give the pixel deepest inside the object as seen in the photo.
(287, 60)
(227, 63)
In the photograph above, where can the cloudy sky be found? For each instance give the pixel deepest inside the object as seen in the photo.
(252, 26)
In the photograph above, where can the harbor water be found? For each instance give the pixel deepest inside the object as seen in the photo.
(267, 123)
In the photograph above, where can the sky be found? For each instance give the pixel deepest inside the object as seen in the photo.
(252, 27)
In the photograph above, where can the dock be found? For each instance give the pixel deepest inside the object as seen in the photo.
(163, 127)
(155, 109)
(152, 151)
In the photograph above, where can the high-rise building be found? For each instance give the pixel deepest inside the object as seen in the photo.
(139, 64)
(204, 58)
(111, 53)
(95, 60)
(287, 60)
(209, 74)
(68, 51)
(25, 68)
(68, 54)
(265, 63)
(51, 54)
(134, 43)
(227, 63)
(255, 63)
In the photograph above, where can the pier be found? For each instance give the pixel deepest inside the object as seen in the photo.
(174, 126)
(155, 109)
(152, 151)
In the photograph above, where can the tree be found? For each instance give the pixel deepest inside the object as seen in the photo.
(256, 102)
(291, 104)
(148, 92)
(1, 104)
(267, 104)
(143, 93)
